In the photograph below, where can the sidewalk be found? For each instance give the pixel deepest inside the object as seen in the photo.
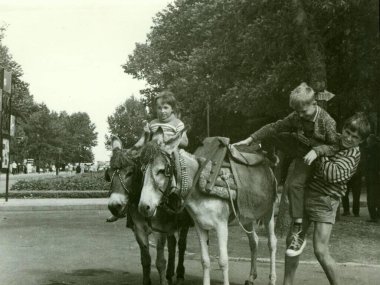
(53, 204)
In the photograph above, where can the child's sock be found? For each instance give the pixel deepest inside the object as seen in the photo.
(297, 227)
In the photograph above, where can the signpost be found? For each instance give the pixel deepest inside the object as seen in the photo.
(323, 97)
(5, 122)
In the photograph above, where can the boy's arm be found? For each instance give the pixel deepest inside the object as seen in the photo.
(332, 141)
(285, 125)
(184, 140)
(340, 170)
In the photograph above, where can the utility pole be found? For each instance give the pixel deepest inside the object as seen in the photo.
(208, 118)
(5, 122)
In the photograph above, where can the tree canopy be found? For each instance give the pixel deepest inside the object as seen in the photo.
(244, 57)
(127, 122)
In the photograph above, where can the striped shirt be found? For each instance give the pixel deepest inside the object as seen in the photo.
(170, 128)
(332, 173)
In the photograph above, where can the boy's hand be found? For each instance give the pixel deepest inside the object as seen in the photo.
(247, 141)
(310, 157)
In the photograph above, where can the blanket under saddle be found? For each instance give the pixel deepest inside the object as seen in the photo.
(249, 175)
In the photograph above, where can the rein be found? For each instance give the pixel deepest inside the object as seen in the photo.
(175, 169)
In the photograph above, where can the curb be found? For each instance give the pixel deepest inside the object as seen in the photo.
(53, 204)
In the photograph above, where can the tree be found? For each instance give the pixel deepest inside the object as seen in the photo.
(127, 122)
(244, 57)
(81, 137)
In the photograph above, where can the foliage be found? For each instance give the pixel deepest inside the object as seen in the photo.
(127, 122)
(244, 58)
(86, 181)
(80, 137)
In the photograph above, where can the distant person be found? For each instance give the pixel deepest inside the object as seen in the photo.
(78, 169)
(372, 177)
(354, 186)
(14, 167)
(327, 185)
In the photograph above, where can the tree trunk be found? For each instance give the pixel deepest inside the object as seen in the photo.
(313, 46)
(315, 57)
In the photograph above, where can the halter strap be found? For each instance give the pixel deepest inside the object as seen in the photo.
(117, 171)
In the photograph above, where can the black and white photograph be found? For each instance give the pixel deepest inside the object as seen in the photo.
(178, 142)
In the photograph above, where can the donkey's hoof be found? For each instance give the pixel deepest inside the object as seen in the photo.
(180, 281)
(247, 282)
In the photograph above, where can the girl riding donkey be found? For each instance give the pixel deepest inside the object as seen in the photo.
(172, 127)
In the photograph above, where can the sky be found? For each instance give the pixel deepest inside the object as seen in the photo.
(71, 52)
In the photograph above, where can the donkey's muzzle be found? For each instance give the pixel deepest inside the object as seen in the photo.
(146, 210)
(116, 205)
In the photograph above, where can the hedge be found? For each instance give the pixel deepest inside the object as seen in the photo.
(55, 194)
(79, 182)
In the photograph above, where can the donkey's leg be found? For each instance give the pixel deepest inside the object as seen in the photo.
(203, 236)
(182, 242)
(272, 245)
(160, 258)
(253, 240)
(143, 241)
(222, 233)
(172, 243)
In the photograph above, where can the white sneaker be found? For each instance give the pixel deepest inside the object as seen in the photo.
(296, 246)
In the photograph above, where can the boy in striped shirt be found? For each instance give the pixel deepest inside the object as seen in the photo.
(326, 187)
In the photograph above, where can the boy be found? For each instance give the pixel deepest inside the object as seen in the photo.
(327, 186)
(304, 135)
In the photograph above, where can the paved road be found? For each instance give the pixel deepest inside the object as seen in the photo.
(78, 247)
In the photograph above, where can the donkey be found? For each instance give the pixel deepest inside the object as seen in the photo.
(125, 176)
(208, 212)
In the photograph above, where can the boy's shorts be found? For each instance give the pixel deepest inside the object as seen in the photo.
(320, 207)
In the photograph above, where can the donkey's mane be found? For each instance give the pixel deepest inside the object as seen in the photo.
(149, 152)
(121, 159)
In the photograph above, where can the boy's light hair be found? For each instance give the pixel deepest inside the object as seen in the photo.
(358, 123)
(301, 96)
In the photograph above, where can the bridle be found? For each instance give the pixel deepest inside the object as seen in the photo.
(169, 173)
(173, 196)
(117, 172)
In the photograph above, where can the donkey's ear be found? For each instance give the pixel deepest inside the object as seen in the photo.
(116, 143)
(158, 136)
(107, 176)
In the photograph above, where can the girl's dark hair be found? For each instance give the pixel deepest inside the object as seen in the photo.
(167, 97)
(360, 123)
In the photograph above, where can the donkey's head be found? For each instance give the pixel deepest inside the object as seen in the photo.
(158, 163)
(124, 177)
